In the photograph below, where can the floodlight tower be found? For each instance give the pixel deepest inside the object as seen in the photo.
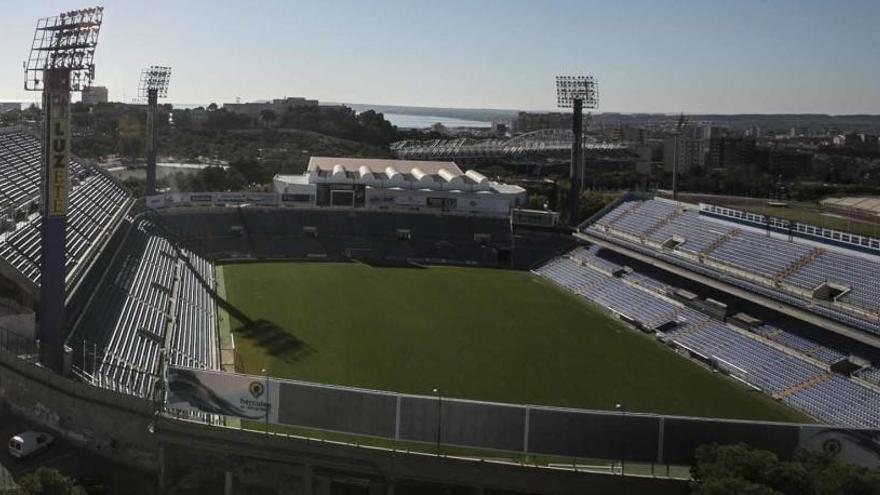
(153, 85)
(577, 93)
(60, 61)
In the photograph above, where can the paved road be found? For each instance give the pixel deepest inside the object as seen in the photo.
(70, 460)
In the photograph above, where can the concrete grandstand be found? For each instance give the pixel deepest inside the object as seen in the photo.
(833, 282)
(780, 363)
(823, 279)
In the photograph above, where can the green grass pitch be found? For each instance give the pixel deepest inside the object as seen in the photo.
(473, 333)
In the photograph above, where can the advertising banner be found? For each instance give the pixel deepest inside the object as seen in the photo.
(410, 200)
(859, 447)
(156, 201)
(227, 394)
(230, 197)
(262, 198)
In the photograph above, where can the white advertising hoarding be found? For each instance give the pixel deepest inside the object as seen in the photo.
(228, 394)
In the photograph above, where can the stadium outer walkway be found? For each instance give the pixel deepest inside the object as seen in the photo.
(291, 465)
(834, 326)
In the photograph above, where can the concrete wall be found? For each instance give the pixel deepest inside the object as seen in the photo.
(535, 430)
(23, 324)
(106, 422)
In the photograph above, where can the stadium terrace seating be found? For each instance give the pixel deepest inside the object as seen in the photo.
(150, 289)
(759, 254)
(277, 233)
(859, 273)
(871, 374)
(769, 369)
(779, 269)
(785, 375)
(588, 256)
(96, 204)
(839, 401)
(806, 346)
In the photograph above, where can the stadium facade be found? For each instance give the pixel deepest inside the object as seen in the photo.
(398, 184)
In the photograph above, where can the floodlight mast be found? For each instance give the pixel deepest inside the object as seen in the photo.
(576, 92)
(153, 85)
(60, 61)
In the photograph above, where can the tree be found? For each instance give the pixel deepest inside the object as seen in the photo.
(46, 481)
(537, 201)
(740, 469)
(268, 117)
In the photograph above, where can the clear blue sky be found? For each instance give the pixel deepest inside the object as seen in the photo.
(649, 56)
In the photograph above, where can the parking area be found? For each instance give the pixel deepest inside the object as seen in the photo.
(70, 460)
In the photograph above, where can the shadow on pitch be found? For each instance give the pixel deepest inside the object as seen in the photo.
(276, 341)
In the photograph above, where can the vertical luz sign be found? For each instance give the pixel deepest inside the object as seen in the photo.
(55, 194)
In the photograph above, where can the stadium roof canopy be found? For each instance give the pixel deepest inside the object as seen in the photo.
(377, 166)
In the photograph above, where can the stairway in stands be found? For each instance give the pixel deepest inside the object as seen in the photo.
(798, 264)
(802, 385)
(668, 218)
(635, 207)
(717, 243)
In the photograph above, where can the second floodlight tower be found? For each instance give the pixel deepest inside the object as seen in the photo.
(60, 61)
(153, 85)
(577, 93)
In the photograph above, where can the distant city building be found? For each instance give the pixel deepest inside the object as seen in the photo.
(528, 121)
(690, 153)
(731, 152)
(754, 131)
(498, 128)
(645, 160)
(862, 142)
(629, 133)
(784, 162)
(94, 95)
(279, 106)
(714, 131)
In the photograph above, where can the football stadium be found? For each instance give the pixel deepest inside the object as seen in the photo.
(669, 309)
(377, 323)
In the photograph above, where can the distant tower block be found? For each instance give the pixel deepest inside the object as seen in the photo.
(577, 93)
(153, 85)
(60, 61)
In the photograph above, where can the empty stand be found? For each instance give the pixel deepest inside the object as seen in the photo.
(154, 296)
(793, 272)
(97, 203)
(788, 369)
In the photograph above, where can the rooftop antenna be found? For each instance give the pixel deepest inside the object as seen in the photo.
(153, 85)
(60, 61)
(577, 93)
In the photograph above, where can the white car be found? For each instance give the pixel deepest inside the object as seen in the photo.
(28, 443)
